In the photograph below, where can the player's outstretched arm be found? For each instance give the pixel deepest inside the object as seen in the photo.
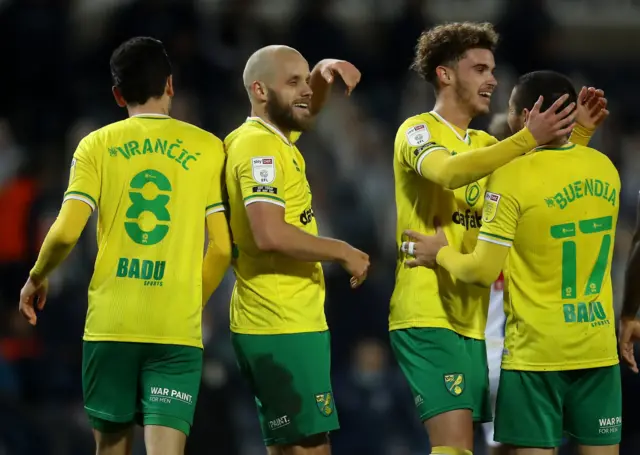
(322, 77)
(629, 324)
(218, 255)
(272, 234)
(58, 243)
(436, 164)
(482, 267)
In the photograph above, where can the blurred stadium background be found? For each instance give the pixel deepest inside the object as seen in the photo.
(55, 88)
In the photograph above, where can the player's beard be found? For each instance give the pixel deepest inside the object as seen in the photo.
(281, 114)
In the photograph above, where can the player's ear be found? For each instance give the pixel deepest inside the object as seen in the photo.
(120, 101)
(525, 115)
(259, 90)
(444, 75)
(169, 87)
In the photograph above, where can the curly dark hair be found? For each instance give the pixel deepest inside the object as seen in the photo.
(447, 44)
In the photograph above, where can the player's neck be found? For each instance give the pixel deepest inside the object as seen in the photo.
(558, 143)
(452, 111)
(154, 107)
(261, 114)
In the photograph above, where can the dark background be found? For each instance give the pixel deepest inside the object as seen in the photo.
(55, 88)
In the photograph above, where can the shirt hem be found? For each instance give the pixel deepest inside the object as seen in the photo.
(145, 339)
(277, 331)
(517, 366)
(436, 325)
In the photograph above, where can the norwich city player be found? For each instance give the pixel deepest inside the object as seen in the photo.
(553, 212)
(437, 323)
(278, 325)
(154, 180)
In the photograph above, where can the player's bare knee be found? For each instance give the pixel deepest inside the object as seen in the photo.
(599, 450)
(317, 444)
(161, 440)
(451, 429)
(114, 443)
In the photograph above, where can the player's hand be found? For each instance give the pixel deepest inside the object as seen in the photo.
(553, 123)
(423, 248)
(592, 108)
(356, 263)
(331, 67)
(629, 333)
(33, 295)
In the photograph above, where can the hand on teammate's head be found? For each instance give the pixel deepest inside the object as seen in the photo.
(552, 124)
(592, 107)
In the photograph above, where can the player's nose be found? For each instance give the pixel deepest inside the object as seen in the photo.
(306, 91)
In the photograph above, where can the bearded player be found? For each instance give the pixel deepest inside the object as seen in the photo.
(437, 323)
(279, 331)
(553, 213)
(153, 180)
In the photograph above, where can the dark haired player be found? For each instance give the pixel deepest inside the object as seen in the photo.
(553, 213)
(154, 180)
(279, 330)
(437, 322)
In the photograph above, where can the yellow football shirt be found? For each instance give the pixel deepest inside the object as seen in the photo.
(424, 297)
(153, 180)
(557, 209)
(273, 294)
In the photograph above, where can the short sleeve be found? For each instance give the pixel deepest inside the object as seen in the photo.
(414, 142)
(260, 170)
(216, 197)
(84, 178)
(501, 211)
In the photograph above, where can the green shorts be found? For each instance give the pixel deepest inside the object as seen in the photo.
(151, 384)
(446, 371)
(534, 407)
(289, 376)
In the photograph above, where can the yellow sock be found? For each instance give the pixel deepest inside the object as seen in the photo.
(442, 450)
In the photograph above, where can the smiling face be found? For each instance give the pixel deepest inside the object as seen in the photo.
(289, 94)
(473, 80)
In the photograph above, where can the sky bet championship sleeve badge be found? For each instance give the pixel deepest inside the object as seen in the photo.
(418, 135)
(324, 401)
(454, 383)
(264, 169)
(491, 202)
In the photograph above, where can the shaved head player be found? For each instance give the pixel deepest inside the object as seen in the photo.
(278, 325)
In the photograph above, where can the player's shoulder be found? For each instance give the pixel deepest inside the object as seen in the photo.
(249, 139)
(100, 138)
(419, 129)
(515, 174)
(595, 159)
(198, 134)
(482, 138)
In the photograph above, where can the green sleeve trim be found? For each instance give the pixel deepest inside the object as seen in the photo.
(263, 196)
(212, 206)
(80, 193)
(496, 236)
